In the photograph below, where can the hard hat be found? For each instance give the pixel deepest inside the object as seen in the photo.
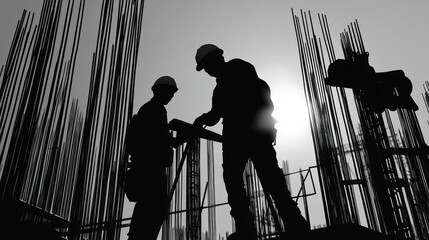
(203, 51)
(165, 81)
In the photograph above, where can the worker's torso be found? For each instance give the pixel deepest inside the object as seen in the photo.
(153, 137)
(243, 99)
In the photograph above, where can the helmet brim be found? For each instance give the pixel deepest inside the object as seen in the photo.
(199, 67)
(165, 87)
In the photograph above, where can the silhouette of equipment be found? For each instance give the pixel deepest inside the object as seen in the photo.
(192, 131)
(380, 90)
(188, 132)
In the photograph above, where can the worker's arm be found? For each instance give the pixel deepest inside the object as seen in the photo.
(212, 117)
(209, 119)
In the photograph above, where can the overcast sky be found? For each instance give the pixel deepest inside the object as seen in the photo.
(395, 33)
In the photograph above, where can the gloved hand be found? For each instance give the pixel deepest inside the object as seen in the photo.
(200, 121)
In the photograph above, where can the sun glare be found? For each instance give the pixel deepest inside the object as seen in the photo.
(290, 111)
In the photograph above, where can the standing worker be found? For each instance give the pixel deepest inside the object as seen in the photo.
(243, 101)
(149, 142)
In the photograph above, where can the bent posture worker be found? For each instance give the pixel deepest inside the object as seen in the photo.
(243, 101)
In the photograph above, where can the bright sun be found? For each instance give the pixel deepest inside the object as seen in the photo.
(290, 111)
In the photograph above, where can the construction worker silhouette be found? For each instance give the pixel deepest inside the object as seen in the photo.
(149, 158)
(243, 101)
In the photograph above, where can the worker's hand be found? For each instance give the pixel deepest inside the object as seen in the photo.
(200, 121)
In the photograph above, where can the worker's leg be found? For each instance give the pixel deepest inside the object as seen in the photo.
(149, 214)
(233, 167)
(273, 181)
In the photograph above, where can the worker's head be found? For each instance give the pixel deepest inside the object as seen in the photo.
(164, 89)
(209, 57)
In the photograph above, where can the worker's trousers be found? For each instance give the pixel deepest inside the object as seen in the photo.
(150, 212)
(263, 156)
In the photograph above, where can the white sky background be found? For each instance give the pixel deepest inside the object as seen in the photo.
(395, 33)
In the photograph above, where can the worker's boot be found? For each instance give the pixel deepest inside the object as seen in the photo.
(299, 229)
(245, 229)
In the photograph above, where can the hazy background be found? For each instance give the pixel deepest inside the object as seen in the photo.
(395, 33)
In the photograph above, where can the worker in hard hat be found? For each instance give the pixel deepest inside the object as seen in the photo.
(151, 155)
(244, 103)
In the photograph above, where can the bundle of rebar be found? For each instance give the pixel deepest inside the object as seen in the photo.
(35, 101)
(325, 122)
(40, 129)
(68, 165)
(98, 195)
(369, 175)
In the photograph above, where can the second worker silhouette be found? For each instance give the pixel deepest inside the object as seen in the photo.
(150, 146)
(243, 102)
